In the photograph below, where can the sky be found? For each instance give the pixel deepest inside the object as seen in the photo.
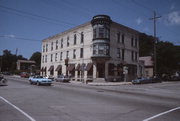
(25, 23)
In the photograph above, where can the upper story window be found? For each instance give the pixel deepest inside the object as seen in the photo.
(81, 52)
(118, 37)
(51, 57)
(61, 56)
(45, 58)
(62, 43)
(51, 46)
(123, 53)
(118, 53)
(46, 47)
(68, 41)
(67, 54)
(74, 54)
(122, 38)
(56, 44)
(136, 42)
(100, 49)
(101, 31)
(56, 57)
(132, 55)
(82, 37)
(132, 41)
(75, 38)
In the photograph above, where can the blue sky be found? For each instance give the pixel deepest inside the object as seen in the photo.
(24, 23)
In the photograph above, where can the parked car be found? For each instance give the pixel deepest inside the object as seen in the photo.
(146, 80)
(24, 75)
(39, 80)
(3, 81)
(62, 78)
(49, 77)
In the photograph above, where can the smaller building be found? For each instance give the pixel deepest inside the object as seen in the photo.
(25, 65)
(148, 65)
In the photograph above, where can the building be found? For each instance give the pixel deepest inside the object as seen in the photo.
(25, 65)
(148, 65)
(97, 50)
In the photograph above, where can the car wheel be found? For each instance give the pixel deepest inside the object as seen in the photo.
(30, 82)
(49, 84)
(38, 83)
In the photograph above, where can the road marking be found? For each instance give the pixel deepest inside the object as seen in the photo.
(160, 114)
(28, 116)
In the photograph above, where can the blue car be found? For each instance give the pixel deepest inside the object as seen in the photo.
(39, 80)
(145, 80)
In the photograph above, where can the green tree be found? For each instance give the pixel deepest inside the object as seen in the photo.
(37, 58)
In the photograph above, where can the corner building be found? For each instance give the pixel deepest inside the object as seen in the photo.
(99, 50)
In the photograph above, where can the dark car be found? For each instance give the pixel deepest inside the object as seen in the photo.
(146, 80)
(3, 81)
(24, 75)
(62, 78)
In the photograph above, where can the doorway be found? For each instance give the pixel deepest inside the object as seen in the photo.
(100, 70)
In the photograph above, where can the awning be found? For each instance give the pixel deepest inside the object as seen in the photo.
(89, 66)
(78, 67)
(42, 69)
(51, 68)
(71, 67)
(58, 67)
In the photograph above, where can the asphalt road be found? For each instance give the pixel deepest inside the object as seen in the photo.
(20, 101)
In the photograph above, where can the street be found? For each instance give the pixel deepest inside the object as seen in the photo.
(20, 101)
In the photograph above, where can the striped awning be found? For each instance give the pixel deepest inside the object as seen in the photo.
(58, 67)
(51, 68)
(89, 66)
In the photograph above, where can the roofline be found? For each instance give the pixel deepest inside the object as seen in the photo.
(66, 31)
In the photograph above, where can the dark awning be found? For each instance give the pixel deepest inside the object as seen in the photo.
(51, 68)
(42, 69)
(89, 66)
(58, 67)
(71, 67)
(78, 67)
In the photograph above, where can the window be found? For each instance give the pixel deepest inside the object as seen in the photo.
(56, 44)
(67, 54)
(122, 38)
(43, 59)
(101, 32)
(136, 56)
(46, 47)
(118, 53)
(61, 43)
(132, 55)
(82, 37)
(68, 41)
(81, 53)
(56, 57)
(51, 46)
(46, 58)
(132, 41)
(74, 54)
(136, 42)
(51, 57)
(94, 33)
(61, 55)
(118, 37)
(111, 69)
(100, 49)
(123, 54)
(75, 37)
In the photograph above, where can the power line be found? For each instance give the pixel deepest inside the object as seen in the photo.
(35, 15)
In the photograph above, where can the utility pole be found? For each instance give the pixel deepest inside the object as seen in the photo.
(155, 41)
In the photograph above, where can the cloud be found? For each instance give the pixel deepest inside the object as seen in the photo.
(173, 18)
(139, 21)
(10, 36)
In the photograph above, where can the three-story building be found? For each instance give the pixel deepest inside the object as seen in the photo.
(97, 50)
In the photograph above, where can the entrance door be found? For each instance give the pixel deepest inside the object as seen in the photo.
(100, 70)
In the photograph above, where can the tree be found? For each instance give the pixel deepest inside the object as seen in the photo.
(37, 58)
(8, 61)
